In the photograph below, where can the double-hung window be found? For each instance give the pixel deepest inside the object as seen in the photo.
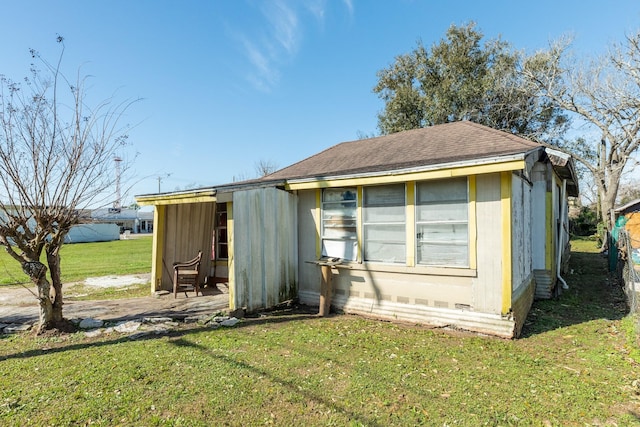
(442, 223)
(384, 223)
(339, 223)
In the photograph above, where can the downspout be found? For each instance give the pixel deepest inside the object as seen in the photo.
(561, 234)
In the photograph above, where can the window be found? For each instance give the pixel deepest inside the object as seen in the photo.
(442, 228)
(222, 242)
(339, 235)
(384, 226)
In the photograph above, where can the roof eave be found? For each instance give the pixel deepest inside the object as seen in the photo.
(415, 170)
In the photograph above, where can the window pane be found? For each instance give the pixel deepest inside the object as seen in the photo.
(394, 233)
(223, 251)
(442, 190)
(442, 215)
(344, 249)
(454, 211)
(456, 233)
(339, 223)
(385, 243)
(385, 252)
(334, 211)
(384, 213)
(338, 194)
(384, 195)
(443, 254)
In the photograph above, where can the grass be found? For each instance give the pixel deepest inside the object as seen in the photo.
(576, 365)
(82, 260)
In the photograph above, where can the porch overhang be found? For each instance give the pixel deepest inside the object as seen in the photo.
(177, 198)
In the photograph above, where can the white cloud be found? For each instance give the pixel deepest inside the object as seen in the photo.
(276, 41)
(284, 25)
(349, 4)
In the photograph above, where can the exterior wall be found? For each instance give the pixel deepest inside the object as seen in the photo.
(468, 298)
(188, 228)
(93, 233)
(264, 248)
(487, 287)
(522, 274)
(308, 238)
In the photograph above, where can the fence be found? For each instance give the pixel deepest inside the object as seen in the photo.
(630, 277)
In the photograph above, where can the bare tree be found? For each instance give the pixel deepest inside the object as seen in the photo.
(56, 158)
(265, 167)
(604, 94)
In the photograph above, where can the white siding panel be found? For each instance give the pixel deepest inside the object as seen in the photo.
(538, 217)
(265, 247)
(487, 288)
(309, 273)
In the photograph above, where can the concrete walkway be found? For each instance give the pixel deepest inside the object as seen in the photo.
(19, 306)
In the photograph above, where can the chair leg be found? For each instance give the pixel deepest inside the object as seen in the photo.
(175, 285)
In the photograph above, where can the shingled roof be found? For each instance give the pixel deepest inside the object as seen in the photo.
(440, 144)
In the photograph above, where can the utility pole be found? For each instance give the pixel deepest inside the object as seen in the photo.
(160, 178)
(118, 202)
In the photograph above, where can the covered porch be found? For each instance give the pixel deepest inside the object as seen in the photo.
(247, 235)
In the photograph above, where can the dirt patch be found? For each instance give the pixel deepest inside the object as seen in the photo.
(19, 304)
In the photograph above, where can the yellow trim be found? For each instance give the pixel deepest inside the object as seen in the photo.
(176, 199)
(409, 176)
(550, 227)
(505, 202)
(359, 225)
(411, 224)
(230, 264)
(318, 224)
(157, 250)
(473, 231)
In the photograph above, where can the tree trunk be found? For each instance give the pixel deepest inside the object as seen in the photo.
(53, 259)
(37, 273)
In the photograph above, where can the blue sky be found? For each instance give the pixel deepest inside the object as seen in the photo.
(225, 84)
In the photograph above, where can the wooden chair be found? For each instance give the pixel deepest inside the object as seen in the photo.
(185, 276)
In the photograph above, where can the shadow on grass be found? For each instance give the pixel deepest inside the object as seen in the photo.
(295, 313)
(593, 293)
(287, 382)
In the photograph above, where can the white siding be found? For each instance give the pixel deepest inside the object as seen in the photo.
(538, 216)
(520, 233)
(265, 254)
(487, 287)
(307, 232)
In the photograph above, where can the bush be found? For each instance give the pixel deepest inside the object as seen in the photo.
(586, 223)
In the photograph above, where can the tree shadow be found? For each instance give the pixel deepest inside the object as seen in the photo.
(292, 313)
(593, 293)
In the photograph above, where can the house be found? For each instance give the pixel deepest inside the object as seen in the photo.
(455, 224)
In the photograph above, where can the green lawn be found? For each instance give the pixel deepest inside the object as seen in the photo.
(576, 365)
(82, 260)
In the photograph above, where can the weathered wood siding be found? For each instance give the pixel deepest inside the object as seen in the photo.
(265, 253)
(521, 233)
(523, 284)
(188, 229)
(487, 287)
